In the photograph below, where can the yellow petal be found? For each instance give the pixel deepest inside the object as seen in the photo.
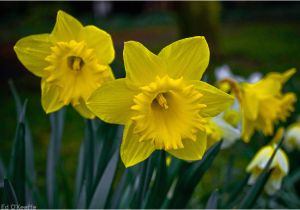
(215, 99)
(32, 51)
(83, 110)
(247, 129)
(51, 97)
(141, 65)
(193, 150)
(282, 77)
(66, 28)
(265, 87)
(100, 42)
(187, 58)
(112, 102)
(249, 105)
(132, 151)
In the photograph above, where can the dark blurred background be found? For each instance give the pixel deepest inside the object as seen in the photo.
(248, 36)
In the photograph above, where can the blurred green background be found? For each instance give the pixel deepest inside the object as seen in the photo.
(248, 36)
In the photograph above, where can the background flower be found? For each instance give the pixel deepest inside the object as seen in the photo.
(279, 167)
(292, 137)
(263, 104)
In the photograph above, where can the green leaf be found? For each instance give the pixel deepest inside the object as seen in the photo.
(235, 194)
(126, 198)
(18, 159)
(158, 192)
(212, 202)
(81, 202)
(30, 169)
(256, 189)
(9, 193)
(64, 181)
(79, 175)
(89, 159)
(119, 191)
(137, 200)
(106, 139)
(2, 171)
(189, 177)
(99, 198)
(57, 124)
(131, 187)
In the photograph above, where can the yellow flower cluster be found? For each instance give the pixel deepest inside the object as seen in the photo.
(161, 101)
(263, 104)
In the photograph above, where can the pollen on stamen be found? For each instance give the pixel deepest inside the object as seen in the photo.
(75, 63)
(162, 101)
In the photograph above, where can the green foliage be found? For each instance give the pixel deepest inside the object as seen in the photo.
(190, 175)
(101, 179)
(103, 182)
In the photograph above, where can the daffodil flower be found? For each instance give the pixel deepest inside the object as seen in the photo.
(73, 61)
(161, 102)
(263, 104)
(292, 137)
(279, 167)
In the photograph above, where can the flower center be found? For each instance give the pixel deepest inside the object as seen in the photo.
(74, 69)
(161, 100)
(167, 111)
(75, 63)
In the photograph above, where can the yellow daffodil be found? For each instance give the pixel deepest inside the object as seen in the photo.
(280, 167)
(73, 60)
(292, 137)
(161, 101)
(263, 104)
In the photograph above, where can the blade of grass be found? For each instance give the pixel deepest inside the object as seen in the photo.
(65, 182)
(81, 202)
(137, 200)
(89, 159)
(99, 198)
(30, 169)
(158, 192)
(57, 123)
(105, 134)
(236, 193)
(18, 157)
(212, 202)
(79, 174)
(9, 193)
(190, 177)
(2, 171)
(118, 193)
(131, 187)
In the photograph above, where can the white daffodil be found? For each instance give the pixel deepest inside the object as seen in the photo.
(279, 167)
(224, 71)
(292, 137)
